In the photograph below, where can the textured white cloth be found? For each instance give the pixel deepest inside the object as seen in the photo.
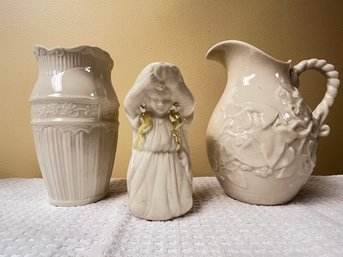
(310, 225)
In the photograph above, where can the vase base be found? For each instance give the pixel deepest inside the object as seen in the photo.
(79, 202)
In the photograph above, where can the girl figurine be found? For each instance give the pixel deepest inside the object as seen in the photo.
(160, 108)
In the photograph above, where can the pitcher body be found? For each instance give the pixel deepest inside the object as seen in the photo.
(262, 138)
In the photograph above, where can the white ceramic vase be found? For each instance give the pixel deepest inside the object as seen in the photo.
(262, 138)
(74, 111)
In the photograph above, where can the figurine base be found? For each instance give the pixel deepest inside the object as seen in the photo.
(138, 211)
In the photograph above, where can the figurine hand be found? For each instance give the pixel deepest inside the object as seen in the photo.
(176, 107)
(143, 108)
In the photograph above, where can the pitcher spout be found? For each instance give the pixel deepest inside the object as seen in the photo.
(227, 51)
(217, 53)
(224, 51)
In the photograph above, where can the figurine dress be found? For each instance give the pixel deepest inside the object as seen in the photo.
(159, 175)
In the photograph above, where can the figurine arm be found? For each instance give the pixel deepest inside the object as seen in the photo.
(132, 102)
(185, 98)
(134, 121)
(188, 119)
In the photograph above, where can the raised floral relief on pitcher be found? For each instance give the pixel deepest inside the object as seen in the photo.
(262, 138)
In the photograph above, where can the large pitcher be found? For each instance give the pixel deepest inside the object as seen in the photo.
(75, 123)
(262, 138)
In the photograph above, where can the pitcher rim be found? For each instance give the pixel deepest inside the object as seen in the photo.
(238, 42)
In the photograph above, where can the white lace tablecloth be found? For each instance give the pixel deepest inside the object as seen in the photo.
(310, 225)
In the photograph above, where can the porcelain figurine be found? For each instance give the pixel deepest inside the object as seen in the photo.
(160, 109)
(262, 138)
(75, 123)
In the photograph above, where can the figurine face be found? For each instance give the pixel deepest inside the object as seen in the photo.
(160, 103)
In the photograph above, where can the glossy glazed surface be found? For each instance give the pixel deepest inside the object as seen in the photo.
(160, 109)
(262, 138)
(74, 116)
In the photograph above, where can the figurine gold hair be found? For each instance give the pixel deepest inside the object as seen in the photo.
(146, 123)
(177, 122)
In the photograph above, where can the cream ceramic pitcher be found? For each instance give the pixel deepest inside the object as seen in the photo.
(262, 138)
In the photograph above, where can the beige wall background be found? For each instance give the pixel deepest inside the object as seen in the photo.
(136, 33)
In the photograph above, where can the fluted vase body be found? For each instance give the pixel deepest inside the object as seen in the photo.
(74, 111)
(262, 138)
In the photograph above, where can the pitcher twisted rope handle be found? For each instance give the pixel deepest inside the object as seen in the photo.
(332, 84)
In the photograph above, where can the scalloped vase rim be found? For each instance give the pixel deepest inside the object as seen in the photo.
(73, 48)
(77, 48)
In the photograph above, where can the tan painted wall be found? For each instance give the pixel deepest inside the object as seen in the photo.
(136, 33)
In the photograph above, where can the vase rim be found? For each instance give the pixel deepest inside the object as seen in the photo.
(95, 51)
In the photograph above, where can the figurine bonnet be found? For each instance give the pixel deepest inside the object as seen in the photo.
(159, 108)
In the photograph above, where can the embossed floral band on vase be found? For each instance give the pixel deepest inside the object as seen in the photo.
(74, 111)
(262, 138)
